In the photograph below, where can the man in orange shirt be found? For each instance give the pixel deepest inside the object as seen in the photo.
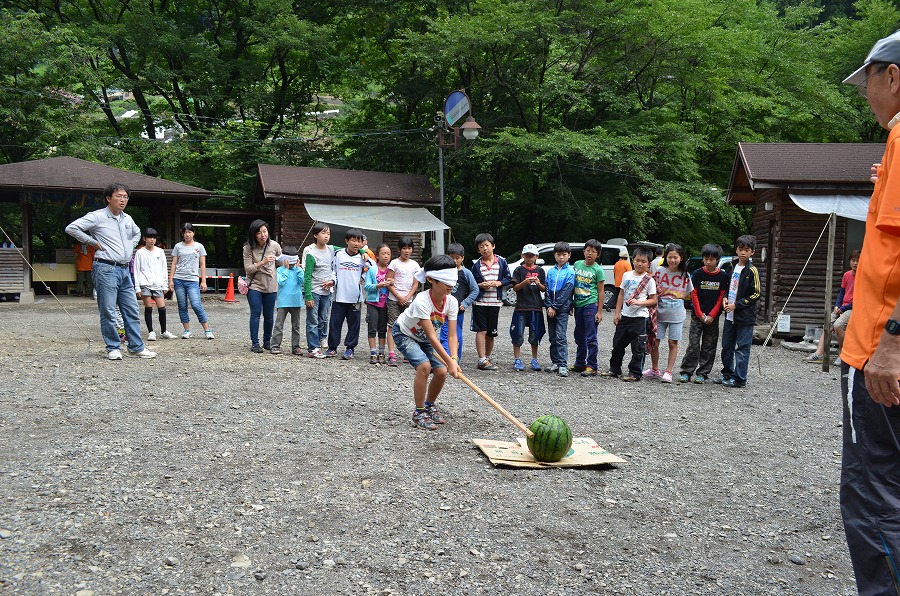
(870, 470)
(622, 266)
(84, 261)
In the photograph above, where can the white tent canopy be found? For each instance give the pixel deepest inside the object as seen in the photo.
(386, 218)
(849, 206)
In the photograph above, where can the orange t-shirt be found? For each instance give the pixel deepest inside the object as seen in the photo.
(84, 261)
(619, 269)
(877, 285)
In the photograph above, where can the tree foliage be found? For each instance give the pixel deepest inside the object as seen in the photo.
(600, 118)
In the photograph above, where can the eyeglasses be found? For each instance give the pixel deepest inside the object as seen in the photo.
(120, 195)
(862, 88)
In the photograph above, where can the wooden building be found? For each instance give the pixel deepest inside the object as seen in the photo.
(385, 206)
(74, 186)
(793, 188)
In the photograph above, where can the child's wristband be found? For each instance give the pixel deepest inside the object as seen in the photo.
(454, 358)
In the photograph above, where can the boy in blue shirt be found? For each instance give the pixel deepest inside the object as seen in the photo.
(558, 301)
(465, 292)
(289, 276)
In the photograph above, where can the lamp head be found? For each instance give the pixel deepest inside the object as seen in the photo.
(470, 129)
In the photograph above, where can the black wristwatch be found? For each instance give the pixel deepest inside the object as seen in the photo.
(892, 327)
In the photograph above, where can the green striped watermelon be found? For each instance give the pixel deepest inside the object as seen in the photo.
(552, 438)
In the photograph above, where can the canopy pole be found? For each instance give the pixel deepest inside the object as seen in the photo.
(829, 273)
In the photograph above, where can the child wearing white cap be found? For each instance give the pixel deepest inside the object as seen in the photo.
(529, 281)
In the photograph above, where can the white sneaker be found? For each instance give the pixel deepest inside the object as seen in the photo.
(209, 334)
(145, 353)
(316, 353)
(167, 335)
(151, 336)
(186, 334)
(114, 355)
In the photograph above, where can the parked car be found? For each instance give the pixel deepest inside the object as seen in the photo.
(725, 263)
(609, 255)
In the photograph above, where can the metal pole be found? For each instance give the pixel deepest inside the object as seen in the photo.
(438, 248)
(829, 304)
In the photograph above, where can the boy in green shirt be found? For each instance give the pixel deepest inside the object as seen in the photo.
(589, 280)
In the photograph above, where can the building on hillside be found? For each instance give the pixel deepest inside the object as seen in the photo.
(63, 188)
(385, 206)
(792, 188)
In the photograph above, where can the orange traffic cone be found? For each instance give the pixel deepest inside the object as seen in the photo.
(229, 291)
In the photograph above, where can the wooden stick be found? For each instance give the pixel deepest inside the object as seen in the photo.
(497, 406)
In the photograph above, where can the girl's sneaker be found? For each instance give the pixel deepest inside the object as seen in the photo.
(651, 373)
(209, 334)
(168, 335)
(666, 377)
(420, 419)
(392, 360)
(186, 334)
(151, 336)
(381, 358)
(373, 358)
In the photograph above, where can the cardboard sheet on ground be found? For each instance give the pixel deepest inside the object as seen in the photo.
(584, 452)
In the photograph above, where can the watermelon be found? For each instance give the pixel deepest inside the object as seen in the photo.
(552, 438)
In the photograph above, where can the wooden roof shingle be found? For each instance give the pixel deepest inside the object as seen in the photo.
(834, 166)
(70, 174)
(335, 185)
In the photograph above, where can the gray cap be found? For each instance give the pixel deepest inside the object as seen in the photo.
(885, 50)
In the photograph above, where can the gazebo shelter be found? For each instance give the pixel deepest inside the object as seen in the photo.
(384, 205)
(77, 185)
(793, 189)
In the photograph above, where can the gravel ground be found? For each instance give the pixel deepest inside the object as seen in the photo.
(213, 470)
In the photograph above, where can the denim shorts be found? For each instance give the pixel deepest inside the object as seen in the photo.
(674, 330)
(415, 352)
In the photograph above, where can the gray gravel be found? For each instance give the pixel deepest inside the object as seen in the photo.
(214, 470)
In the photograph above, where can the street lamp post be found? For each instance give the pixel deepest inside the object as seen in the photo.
(456, 106)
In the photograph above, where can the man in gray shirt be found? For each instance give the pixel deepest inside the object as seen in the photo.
(115, 235)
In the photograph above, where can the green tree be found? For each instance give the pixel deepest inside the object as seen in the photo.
(38, 109)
